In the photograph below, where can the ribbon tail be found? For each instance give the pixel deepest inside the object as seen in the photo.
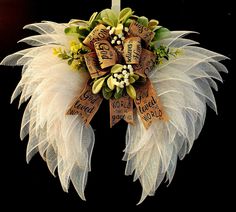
(148, 105)
(121, 109)
(85, 105)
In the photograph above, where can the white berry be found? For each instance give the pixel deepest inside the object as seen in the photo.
(112, 30)
(121, 85)
(129, 66)
(120, 35)
(124, 72)
(126, 76)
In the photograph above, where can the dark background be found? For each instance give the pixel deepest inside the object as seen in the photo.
(203, 180)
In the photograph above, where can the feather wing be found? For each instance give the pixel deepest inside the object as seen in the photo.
(184, 85)
(50, 85)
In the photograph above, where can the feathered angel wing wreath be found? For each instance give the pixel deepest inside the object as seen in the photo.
(157, 80)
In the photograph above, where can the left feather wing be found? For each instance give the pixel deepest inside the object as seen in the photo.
(62, 140)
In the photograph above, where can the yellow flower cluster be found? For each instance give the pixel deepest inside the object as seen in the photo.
(74, 56)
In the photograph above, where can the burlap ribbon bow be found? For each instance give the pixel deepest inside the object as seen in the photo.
(104, 55)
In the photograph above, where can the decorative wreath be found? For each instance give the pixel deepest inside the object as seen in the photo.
(156, 80)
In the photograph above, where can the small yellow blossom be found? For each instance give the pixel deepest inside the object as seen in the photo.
(75, 47)
(75, 64)
(57, 51)
(119, 29)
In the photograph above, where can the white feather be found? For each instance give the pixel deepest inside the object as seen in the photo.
(184, 87)
(62, 140)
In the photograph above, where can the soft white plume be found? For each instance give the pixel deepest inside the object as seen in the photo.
(184, 85)
(50, 85)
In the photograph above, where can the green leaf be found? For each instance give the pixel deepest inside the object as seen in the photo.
(95, 21)
(131, 91)
(125, 14)
(71, 30)
(70, 61)
(110, 83)
(135, 76)
(119, 92)
(81, 38)
(97, 85)
(107, 89)
(106, 94)
(109, 14)
(63, 56)
(92, 18)
(108, 21)
(116, 68)
(131, 80)
(161, 33)
(143, 21)
(152, 24)
(128, 22)
(83, 31)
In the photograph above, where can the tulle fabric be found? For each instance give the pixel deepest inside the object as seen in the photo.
(50, 85)
(184, 85)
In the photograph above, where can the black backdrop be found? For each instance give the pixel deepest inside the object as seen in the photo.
(203, 180)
